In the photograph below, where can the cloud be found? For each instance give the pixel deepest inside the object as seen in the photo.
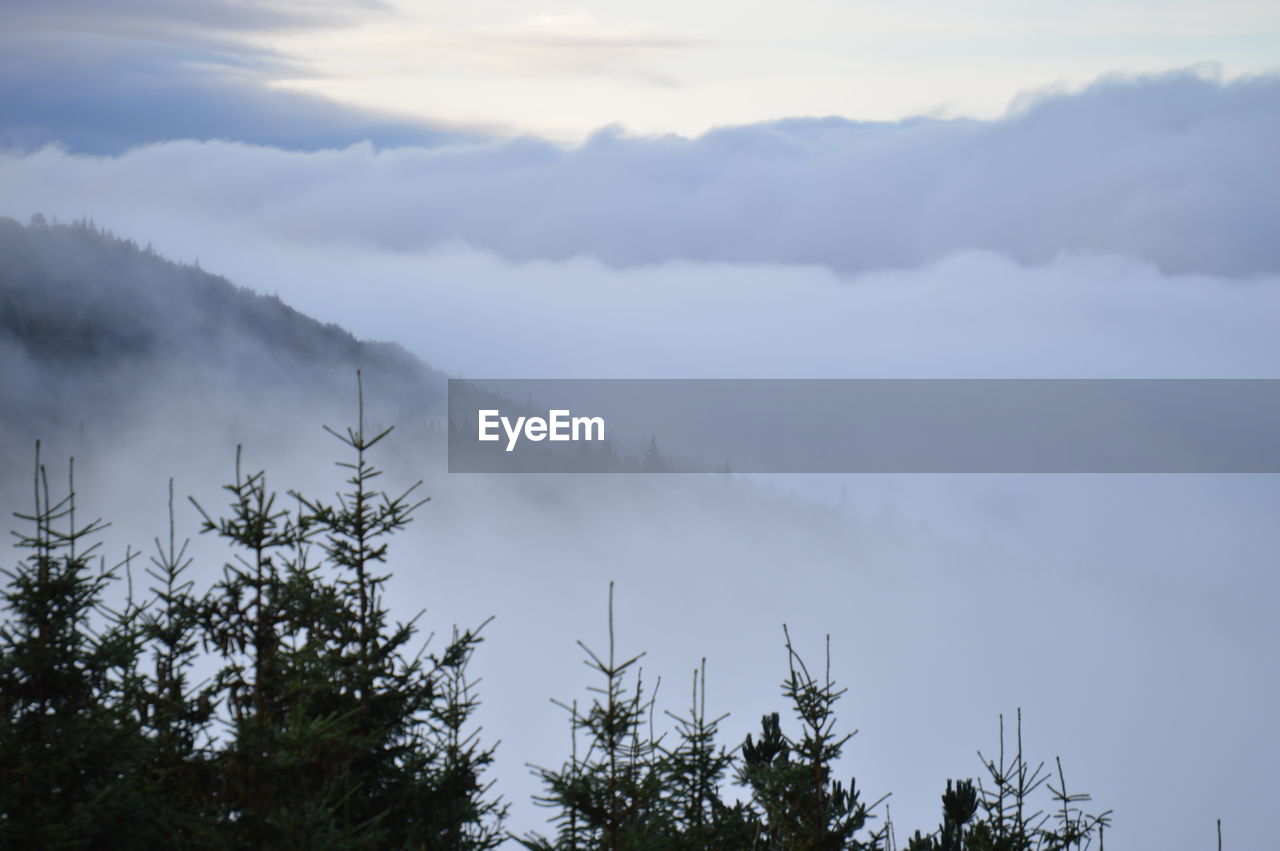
(271, 220)
(104, 100)
(102, 80)
(1176, 170)
(1120, 231)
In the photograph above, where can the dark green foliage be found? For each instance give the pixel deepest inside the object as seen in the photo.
(70, 749)
(1006, 817)
(342, 734)
(693, 773)
(625, 789)
(801, 806)
(324, 726)
(258, 620)
(628, 790)
(178, 775)
(611, 794)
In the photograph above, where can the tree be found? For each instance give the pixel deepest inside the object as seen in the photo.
(611, 795)
(178, 778)
(802, 807)
(69, 747)
(627, 790)
(342, 735)
(693, 772)
(1005, 815)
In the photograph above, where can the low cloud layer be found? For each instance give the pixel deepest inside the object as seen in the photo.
(1176, 170)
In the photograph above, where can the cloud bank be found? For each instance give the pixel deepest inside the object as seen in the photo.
(1120, 231)
(1177, 170)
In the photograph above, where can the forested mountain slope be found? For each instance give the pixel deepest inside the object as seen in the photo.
(91, 325)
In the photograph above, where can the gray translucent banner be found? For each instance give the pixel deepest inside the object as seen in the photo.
(864, 426)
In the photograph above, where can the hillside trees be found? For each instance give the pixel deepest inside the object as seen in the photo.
(71, 748)
(324, 724)
(627, 787)
(630, 789)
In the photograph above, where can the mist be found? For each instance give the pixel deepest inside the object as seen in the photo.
(1127, 616)
(1123, 231)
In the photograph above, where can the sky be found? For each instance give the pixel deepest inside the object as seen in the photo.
(714, 189)
(682, 67)
(102, 76)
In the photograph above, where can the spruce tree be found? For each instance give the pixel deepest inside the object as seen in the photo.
(801, 806)
(693, 773)
(1006, 816)
(252, 619)
(69, 747)
(176, 713)
(611, 794)
(342, 734)
(419, 764)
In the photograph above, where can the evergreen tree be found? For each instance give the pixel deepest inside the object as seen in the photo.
(178, 778)
(341, 734)
(802, 807)
(693, 772)
(69, 747)
(610, 796)
(1005, 815)
(268, 685)
(422, 765)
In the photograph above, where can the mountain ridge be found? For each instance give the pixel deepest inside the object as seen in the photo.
(89, 321)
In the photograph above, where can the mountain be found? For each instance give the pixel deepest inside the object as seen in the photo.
(92, 327)
(104, 340)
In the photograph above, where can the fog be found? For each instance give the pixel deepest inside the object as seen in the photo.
(1129, 617)
(1120, 232)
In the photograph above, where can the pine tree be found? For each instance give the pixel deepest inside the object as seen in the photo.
(420, 764)
(177, 713)
(693, 772)
(68, 746)
(1005, 815)
(267, 597)
(802, 807)
(342, 735)
(611, 795)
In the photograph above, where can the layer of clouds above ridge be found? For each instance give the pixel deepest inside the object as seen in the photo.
(1178, 170)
